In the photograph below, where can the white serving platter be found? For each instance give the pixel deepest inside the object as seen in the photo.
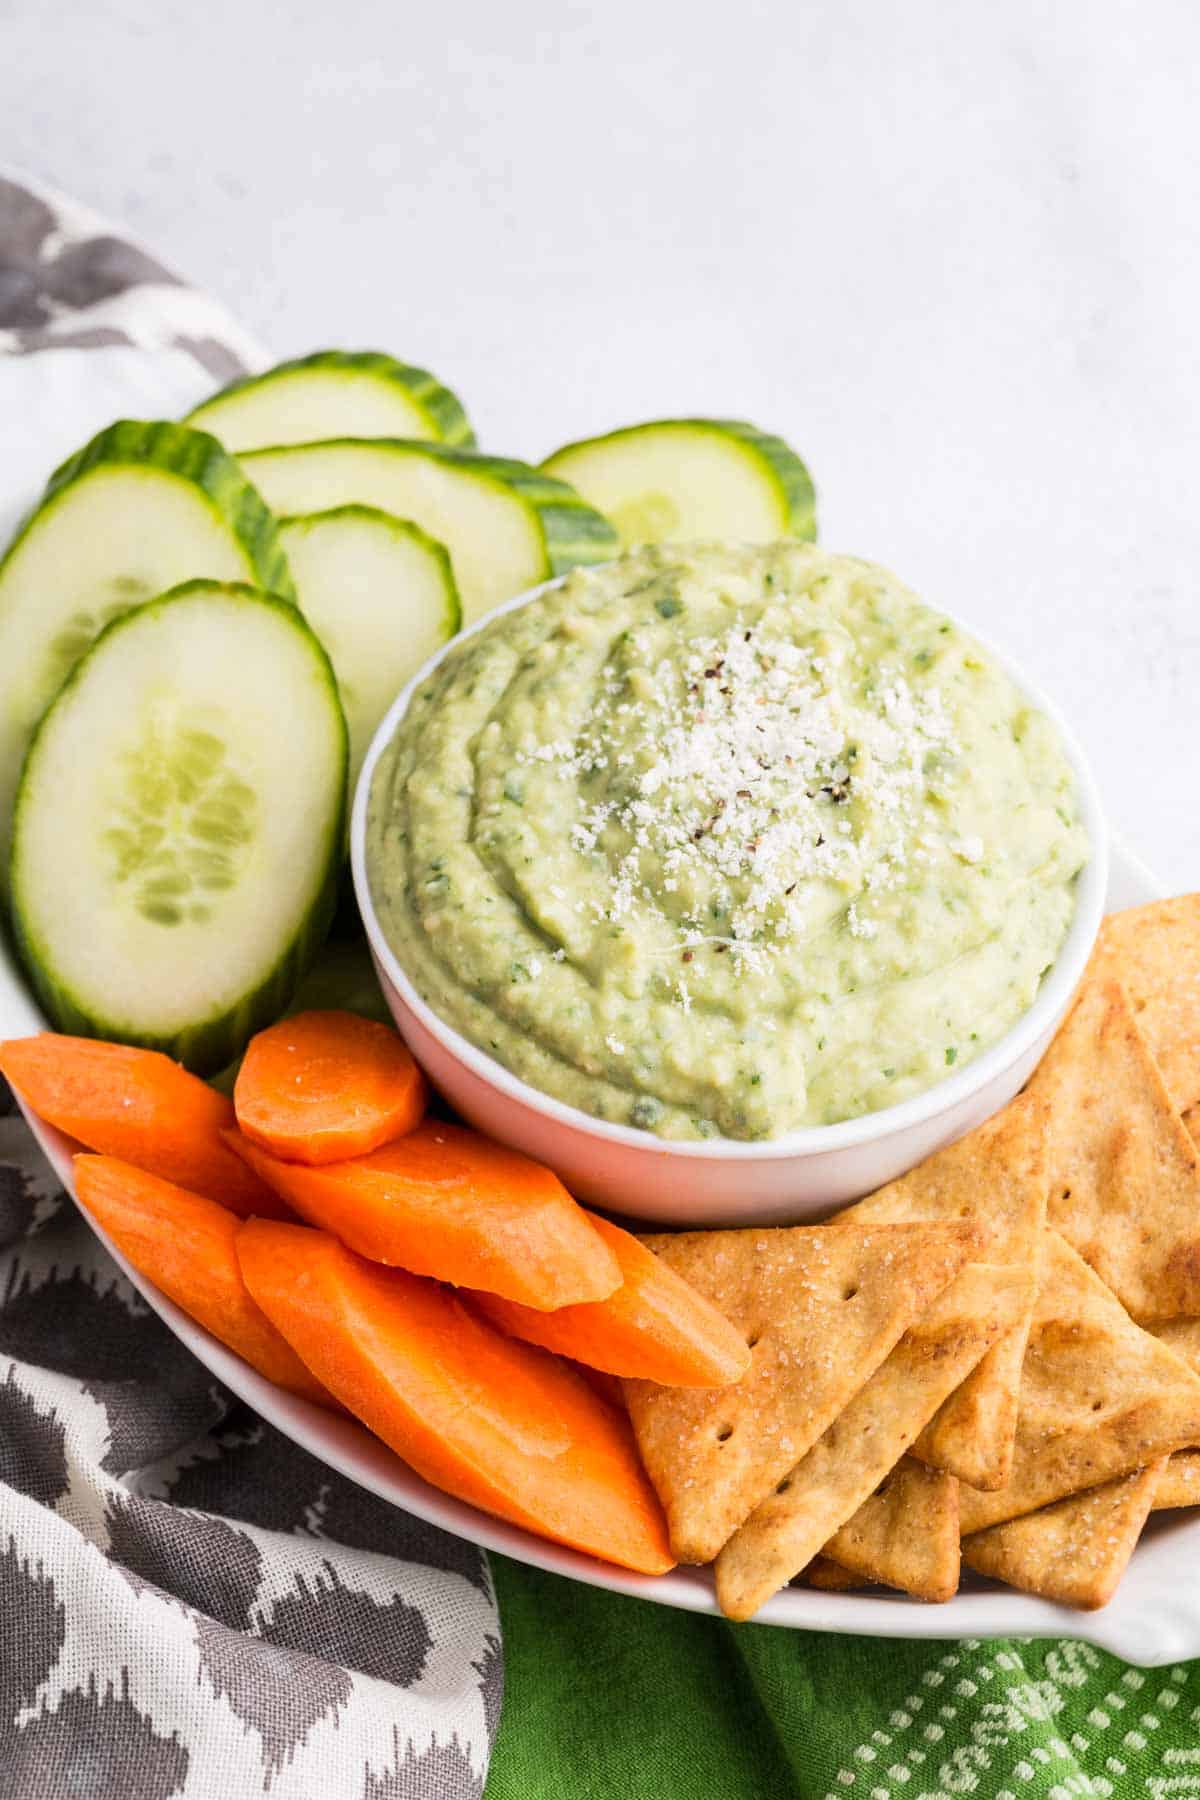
(1154, 1619)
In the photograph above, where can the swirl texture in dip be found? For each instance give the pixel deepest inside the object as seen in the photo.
(720, 840)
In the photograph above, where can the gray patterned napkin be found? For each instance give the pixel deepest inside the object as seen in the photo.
(189, 1604)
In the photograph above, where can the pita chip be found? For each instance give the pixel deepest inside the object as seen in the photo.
(1191, 1119)
(1100, 1397)
(821, 1306)
(1154, 952)
(997, 1176)
(1183, 1337)
(1180, 1483)
(905, 1536)
(822, 1572)
(861, 1447)
(1125, 1175)
(1075, 1551)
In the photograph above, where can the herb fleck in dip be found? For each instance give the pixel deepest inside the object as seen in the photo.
(720, 840)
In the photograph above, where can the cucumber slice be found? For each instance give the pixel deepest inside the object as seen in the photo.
(178, 825)
(334, 393)
(679, 479)
(381, 597)
(506, 526)
(140, 508)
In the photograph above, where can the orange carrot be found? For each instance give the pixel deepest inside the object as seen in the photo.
(655, 1325)
(140, 1106)
(186, 1245)
(324, 1086)
(448, 1203)
(494, 1422)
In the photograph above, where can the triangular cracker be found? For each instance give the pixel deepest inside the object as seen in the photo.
(1183, 1337)
(1180, 1484)
(851, 1459)
(1100, 1397)
(822, 1572)
(1191, 1119)
(821, 1306)
(905, 1536)
(997, 1176)
(1154, 952)
(1074, 1552)
(1125, 1175)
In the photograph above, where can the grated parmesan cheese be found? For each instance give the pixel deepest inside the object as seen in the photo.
(752, 768)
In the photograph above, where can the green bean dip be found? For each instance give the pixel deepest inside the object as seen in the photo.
(717, 840)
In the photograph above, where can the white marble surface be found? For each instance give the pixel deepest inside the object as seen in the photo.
(952, 252)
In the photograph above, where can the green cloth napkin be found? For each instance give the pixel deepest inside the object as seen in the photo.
(614, 1699)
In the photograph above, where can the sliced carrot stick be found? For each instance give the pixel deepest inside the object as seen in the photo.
(324, 1086)
(494, 1422)
(445, 1202)
(655, 1325)
(140, 1106)
(185, 1244)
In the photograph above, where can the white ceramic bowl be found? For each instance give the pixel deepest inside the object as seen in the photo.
(785, 1180)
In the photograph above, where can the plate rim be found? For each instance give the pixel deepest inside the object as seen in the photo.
(1145, 1634)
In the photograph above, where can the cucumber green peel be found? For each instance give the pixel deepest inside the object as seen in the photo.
(507, 526)
(671, 479)
(142, 506)
(574, 532)
(177, 841)
(193, 455)
(326, 384)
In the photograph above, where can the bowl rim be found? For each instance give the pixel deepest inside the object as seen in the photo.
(944, 1096)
